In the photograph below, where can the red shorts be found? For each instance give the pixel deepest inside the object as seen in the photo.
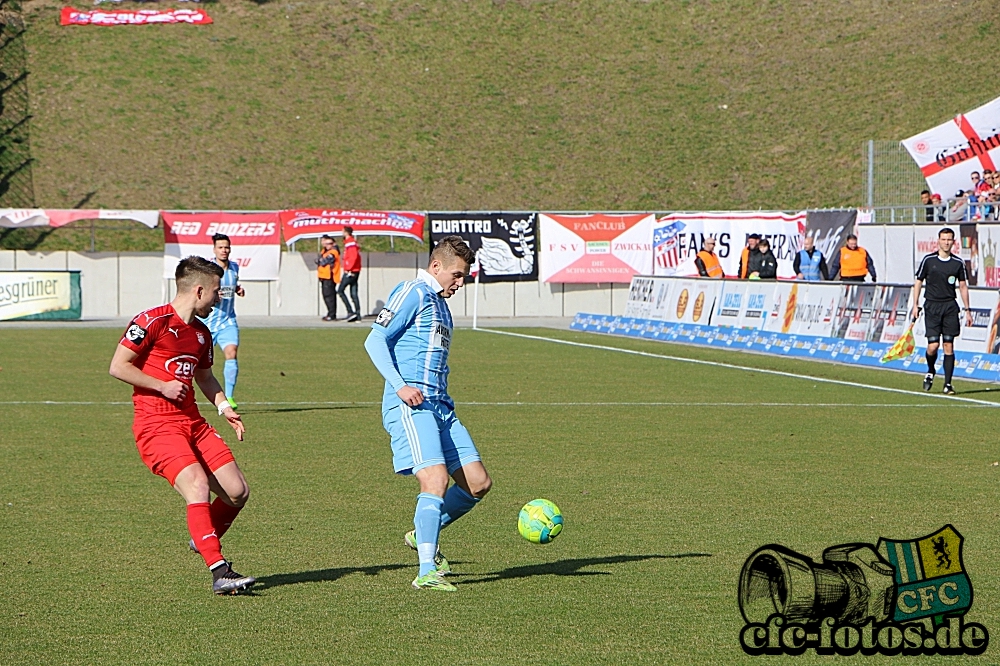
(169, 443)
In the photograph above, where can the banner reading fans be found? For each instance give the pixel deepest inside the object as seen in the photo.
(314, 223)
(595, 248)
(70, 16)
(677, 238)
(949, 153)
(505, 243)
(254, 237)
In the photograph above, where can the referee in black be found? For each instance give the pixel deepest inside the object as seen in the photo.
(941, 271)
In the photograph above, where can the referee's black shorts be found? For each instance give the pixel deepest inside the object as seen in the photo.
(941, 320)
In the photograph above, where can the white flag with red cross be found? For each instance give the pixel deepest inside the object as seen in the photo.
(949, 153)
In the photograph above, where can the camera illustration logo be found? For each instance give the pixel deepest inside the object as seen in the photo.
(896, 597)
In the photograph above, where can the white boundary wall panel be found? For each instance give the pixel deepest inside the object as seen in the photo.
(872, 238)
(297, 287)
(140, 276)
(538, 299)
(7, 260)
(495, 299)
(382, 272)
(257, 300)
(899, 267)
(98, 283)
(33, 261)
(590, 298)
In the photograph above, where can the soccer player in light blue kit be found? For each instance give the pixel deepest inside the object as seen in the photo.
(409, 344)
(222, 321)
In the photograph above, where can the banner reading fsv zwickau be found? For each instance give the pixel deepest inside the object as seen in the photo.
(595, 247)
(505, 243)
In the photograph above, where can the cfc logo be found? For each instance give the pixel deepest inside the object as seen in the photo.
(182, 367)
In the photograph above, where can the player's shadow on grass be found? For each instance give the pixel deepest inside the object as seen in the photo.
(573, 567)
(323, 575)
(284, 410)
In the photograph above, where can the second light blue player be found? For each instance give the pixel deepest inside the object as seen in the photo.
(222, 320)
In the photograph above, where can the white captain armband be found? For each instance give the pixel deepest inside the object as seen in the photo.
(384, 317)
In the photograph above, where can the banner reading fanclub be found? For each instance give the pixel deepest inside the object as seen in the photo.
(254, 237)
(315, 222)
(595, 248)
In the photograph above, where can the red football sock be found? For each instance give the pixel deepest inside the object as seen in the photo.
(223, 516)
(199, 519)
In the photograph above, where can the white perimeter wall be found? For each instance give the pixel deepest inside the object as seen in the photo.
(120, 284)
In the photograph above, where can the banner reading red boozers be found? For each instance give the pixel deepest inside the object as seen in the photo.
(595, 248)
(255, 239)
(314, 222)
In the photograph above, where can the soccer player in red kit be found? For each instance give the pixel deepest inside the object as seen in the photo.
(163, 351)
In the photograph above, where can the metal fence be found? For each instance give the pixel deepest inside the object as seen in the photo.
(17, 189)
(891, 177)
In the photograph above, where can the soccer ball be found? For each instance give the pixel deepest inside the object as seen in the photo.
(540, 521)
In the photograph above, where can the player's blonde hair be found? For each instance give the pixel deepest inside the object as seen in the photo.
(195, 270)
(453, 246)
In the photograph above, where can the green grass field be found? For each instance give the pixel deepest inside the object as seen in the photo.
(663, 503)
(509, 104)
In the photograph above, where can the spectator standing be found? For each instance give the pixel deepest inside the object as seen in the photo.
(960, 208)
(939, 209)
(763, 264)
(927, 202)
(328, 270)
(748, 252)
(352, 270)
(707, 263)
(810, 264)
(852, 262)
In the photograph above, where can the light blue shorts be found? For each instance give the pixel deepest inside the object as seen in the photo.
(230, 335)
(428, 435)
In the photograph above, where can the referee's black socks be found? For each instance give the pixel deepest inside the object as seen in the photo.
(949, 367)
(932, 361)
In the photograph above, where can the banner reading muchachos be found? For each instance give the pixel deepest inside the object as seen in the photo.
(39, 295)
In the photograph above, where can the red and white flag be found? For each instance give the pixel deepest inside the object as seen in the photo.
(949, 153)
(71, 16)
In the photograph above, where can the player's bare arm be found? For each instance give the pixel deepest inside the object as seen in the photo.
(963, 289)
(122, 368)
(210, 386)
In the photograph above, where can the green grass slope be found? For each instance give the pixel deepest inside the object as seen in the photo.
(663, 503)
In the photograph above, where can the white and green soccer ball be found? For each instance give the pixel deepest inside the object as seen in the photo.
(540, 521)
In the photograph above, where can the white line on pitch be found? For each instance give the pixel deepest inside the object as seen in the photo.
(537, 404)
(765, 371)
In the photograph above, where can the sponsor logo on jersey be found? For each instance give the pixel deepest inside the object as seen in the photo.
(182, 367)
(384, 317)
(135, 333)
(201, 338)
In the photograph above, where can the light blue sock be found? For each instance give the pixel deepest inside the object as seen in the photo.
(427, 521)
(230, 371)
(457, 503)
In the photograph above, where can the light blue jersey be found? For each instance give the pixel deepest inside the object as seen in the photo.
(223, 315)
(417, 325)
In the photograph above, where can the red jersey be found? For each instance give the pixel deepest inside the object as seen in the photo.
(352, 257)
(168, 348)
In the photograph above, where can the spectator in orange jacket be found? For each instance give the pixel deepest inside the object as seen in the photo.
(328, 271)
(352, 270)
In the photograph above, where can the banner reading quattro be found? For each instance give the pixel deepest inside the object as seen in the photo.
(505, 244)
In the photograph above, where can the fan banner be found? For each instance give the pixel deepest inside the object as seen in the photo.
(678, 237)
(949, 153)
(255, 239)
(505, 243)
(49, 217)
(71, 16)
(596, 247)
(316, 222)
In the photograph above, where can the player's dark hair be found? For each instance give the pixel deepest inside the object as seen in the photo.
(194, 270)
(947, 230)
(217, 237)
(348, 231)
(453, 246)
(851, 237)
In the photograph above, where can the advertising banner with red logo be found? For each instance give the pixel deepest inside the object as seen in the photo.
(677, 238)
(949, 153)
(71, 16)
(255, 239)
(596, 247)
(315, 222)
